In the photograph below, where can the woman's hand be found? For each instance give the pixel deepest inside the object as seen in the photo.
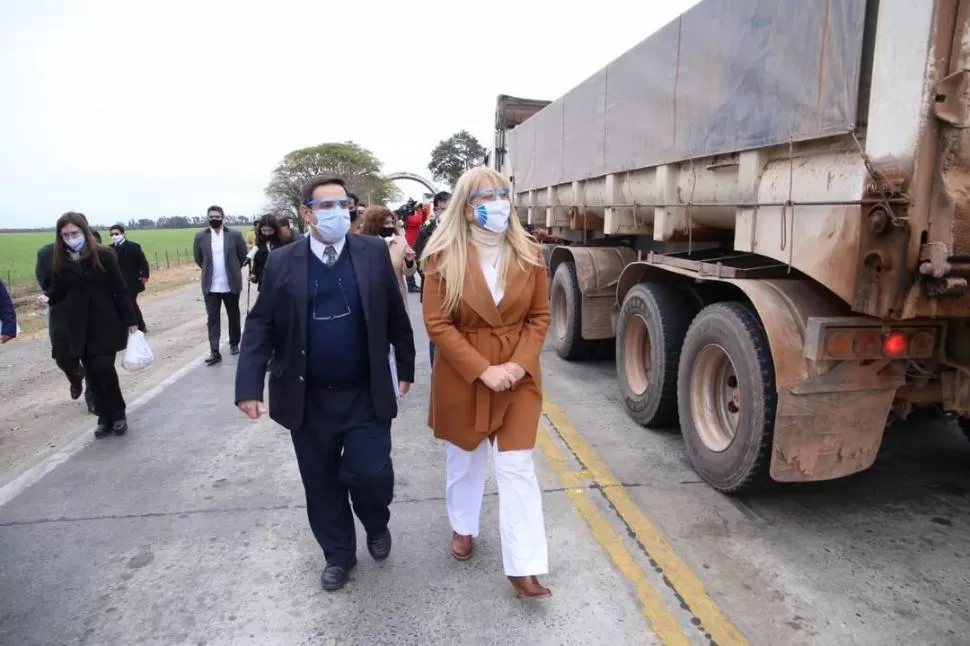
(496, 378)
(515, 372)
(132, 329)
(41, 303)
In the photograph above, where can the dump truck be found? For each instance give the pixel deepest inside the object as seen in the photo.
(764, 209)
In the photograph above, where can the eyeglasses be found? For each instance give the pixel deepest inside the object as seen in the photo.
(68, 235)
(491, 194)
(340, 286)
(329, 204)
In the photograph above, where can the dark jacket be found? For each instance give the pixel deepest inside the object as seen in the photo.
(44, 273)
(259, 261)
(95, 305)
(423, 236)
(133, 264)
(44, 267)
(8, 315)
(277, 327)
(234, 247)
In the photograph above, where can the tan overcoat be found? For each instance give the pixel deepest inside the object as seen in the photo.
(463, 410)
(398, 248)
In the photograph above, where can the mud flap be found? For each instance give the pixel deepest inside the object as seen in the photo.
(827, 435)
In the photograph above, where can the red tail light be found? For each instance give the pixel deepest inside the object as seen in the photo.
(894, 345)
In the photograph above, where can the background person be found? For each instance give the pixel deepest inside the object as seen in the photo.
(380, 221)
(268, 238)
(88, 282)
(220, 252)
(57, 325)
(439, 205)
(8, 316)
(487, 310)
(134, 268)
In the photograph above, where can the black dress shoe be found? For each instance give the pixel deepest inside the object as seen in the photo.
(380, 546)
(103, 430)
(335, 577)
(213, 359)
(120, 427)
(234, 349)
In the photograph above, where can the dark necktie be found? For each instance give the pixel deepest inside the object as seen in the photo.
(329, 255)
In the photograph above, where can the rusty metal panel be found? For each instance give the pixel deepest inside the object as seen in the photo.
(727, 75)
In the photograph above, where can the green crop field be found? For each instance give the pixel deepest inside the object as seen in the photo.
(18, 251)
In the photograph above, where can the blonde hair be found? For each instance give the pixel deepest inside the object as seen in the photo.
(449, 242)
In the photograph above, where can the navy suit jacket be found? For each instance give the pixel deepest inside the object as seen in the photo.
(277, 327)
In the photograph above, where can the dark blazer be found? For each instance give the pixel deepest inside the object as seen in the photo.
(8, 315)
(422, 241)
(44, 267)
(96, 308)
(44, 273)
(235, 251)
(133, 264)
(277, 327)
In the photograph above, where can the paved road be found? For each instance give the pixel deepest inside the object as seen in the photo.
(192, 530)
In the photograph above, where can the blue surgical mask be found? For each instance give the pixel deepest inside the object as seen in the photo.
(77, 244)
(494, 215)
(332, 224)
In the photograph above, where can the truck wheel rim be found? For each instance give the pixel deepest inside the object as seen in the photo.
(560, 313)
(636, 355)
(715, 398)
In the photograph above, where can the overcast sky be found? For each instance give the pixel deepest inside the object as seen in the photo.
(138, 108)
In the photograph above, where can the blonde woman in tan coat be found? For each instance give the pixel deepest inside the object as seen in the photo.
(379, 221)
(486, 308)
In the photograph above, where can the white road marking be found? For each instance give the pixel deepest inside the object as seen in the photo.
(81, 439)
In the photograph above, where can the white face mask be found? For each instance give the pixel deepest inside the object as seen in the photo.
(494, 215)
(117, 238)
(77, 244)
(332, 224)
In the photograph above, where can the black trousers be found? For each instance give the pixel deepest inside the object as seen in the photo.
(213, 302)
(138, 315)
(344, 450)
(431, 352)
(74, 371)
(103, 384)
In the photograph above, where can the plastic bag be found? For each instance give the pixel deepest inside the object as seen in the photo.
(138, 355)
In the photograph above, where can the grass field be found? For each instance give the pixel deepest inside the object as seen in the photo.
(18, 251)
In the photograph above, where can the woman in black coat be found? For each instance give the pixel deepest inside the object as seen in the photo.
(268, 237)
(98, 316)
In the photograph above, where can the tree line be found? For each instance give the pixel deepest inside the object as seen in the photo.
(359, 167)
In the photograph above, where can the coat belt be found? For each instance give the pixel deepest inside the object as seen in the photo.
(483, 393)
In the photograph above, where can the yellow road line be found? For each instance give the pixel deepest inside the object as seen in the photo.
(680, 575)
(654, 609)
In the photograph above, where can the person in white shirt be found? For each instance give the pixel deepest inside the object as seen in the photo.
(220, 252)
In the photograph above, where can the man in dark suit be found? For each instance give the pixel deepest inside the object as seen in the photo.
(57, 326)
(134, 267)
(328, 314)
(220, 252)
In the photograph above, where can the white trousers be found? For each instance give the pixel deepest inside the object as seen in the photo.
(521, 523)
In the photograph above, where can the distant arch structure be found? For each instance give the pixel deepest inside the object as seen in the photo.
(414, 177)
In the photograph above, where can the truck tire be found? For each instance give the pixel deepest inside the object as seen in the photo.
(650, 331)
(565, 303)
(726, 398)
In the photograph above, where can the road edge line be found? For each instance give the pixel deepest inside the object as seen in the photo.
(81, 438)
(684, 581)
(652, 605)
